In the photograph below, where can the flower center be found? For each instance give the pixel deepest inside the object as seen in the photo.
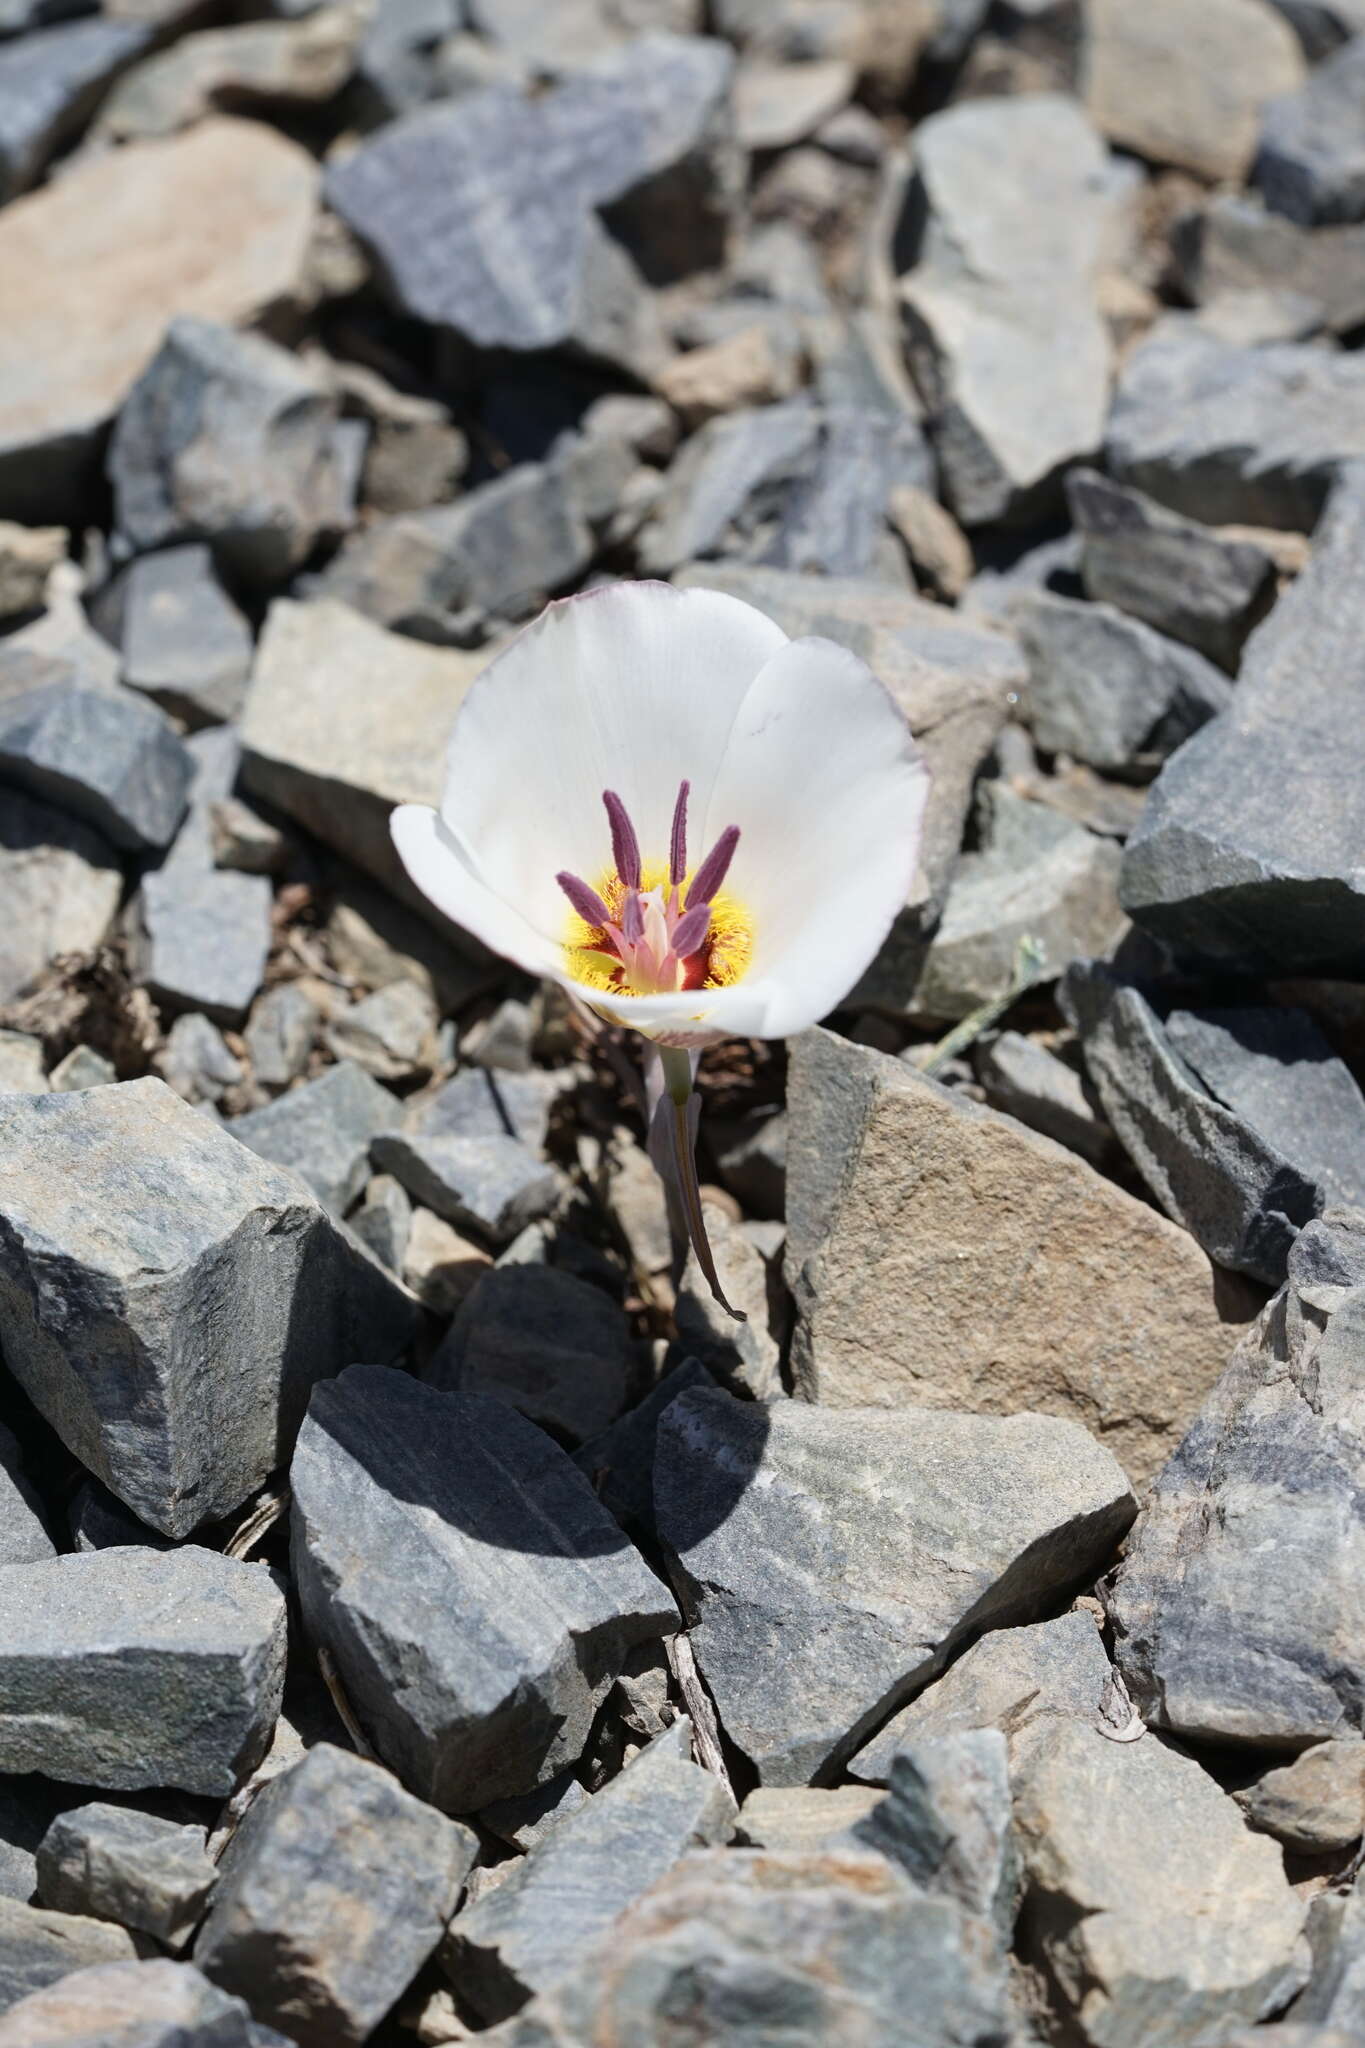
(653, 928)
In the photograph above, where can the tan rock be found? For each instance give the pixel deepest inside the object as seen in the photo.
(939, 550)
(804, 1819)
(1316, 1802)
(28, 554)
(439, 1265)
(214, 223)
(286, 62)
(744, 369)
(1185, 85)
(942, 1255)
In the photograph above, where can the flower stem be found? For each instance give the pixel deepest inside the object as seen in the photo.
(673, 1119)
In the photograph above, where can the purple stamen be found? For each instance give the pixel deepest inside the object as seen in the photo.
(625, 847)
(585, 901)
(632, 919)
(677, 851)
(690, 931)
(714, 868)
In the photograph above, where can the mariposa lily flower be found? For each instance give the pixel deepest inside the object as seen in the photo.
(697, 826)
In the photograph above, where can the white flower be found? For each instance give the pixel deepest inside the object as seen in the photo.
(792, 775)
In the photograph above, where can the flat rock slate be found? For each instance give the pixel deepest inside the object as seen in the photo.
(862, 1549)
(477, 1598)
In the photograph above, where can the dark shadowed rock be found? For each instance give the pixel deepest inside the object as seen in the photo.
(955, 1520)
(168, 1300)
(1235, 249)
(620, 1462)
(1311, 163)
(333, 1893)
(443, 1537)
(138, 1668)
(23, 1530)
(546, 1343)
(49, 82)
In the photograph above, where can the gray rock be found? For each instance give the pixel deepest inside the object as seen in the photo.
(504, 1040)
(104, 755)
(1322, 25)
(500, 549)
(1189, 583)
(281, 1033)
(23, 1531)
(1016, 1680)
(197, 1061)
(167, 1300)
(244, 840)
(204, 938)
(140, 1668)
(727, 481)
(1311, 163)
(1036, 875)
(1335, 1997)
(1028, 1082)
(1209, 1167)
(1005, 225)
(563, 1898)
(38, 1949)
(754, 1946)
(479, 1103)
(525, 1821)
(805, 1820)
(116, 2004)
(61, 882)
(1238, 1609)
(384, 1221)
(620, 1462)
(1108, 690)
(1169, 1921)
(547, 1344)
(1234, 249)
(225, 438)
(22, 1068)
(743, 1356)
(493, 1185)
(82, 1067)
(1314, 1804)
(49, 82)
(117, 1863)
(100, 1522)
(334, 1891)
(1235, 435)
(992, 1517)
(1275, 1070)
(444, 1538)
(183, 639)
(1244, 854)
(834, 520)
(946, 1821)
(390, 1034)
(323, 1131)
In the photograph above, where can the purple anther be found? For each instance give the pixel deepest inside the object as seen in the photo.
(625, 847)
(585, 901)
(677, 846)
(714, 868)
(690, 931)
(632, 919)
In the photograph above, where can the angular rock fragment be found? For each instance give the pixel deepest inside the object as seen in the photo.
(1004, 230)
(136, 1668)
(1170, 1919)
(483, 1104)
(946, 1822)
(1234, 249)
(205, 938)
(752, 1945)
(956, 1521)
(61, 883)
(28, 555)
(833, 521)
(1246, 853)
(281, 1034)
(1238, 1611)
(83, 1067)
(1017, 1680)
(197, 1061)
(440, 1537)
(333, 1893)
(23, 1534)
(225, 438)
(167, 1300)
(156, 2004)
(1201, 114)
(803, 1820)
(22, 1069)
(901, 1194)
(49, 81)
(1316, 1803)
(38, 1949)
(563, 1898)
(339, 726)
(183, 639)
(279, 65)
(729, 475)
(104, 755)
(1034, 1086)
(1311, 162)
(1235, 435)
(1335, 1996)
(93, 266)
(1106, 689)
(323, 1131)
(118, 1863)
(1181, 578)
(1210, 1168)
(549, 1345)
(742, 1355)
(492, 1185)
(390, 1034)
(1036, 876)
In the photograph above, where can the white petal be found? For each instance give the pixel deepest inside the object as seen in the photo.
(692, 1018)
(631, 687)
(441, 870)
(824, 781)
